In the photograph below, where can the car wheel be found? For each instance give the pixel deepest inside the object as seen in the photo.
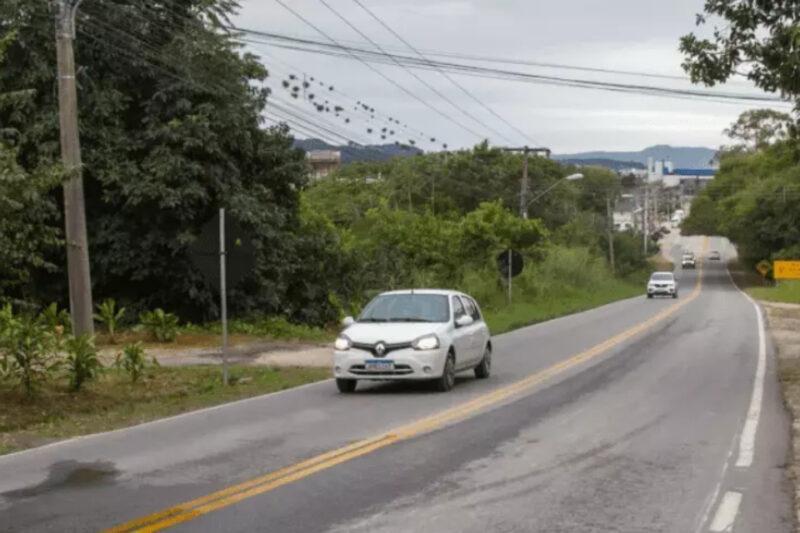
(484, 368)
(649, 295)
(674, 294)
(346, 385)
(448, 378)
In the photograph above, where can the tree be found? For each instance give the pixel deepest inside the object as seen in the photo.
(762, 37)
(171, 126)
(758, 128)
(27, 214)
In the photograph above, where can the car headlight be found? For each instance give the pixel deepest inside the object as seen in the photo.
(342, 343)
(426, 342)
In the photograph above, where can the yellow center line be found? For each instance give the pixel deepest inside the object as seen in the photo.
(235, 493)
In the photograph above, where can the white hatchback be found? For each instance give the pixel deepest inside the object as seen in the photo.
(413, 335)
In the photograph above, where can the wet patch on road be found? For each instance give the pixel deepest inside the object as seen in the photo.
(69, 475)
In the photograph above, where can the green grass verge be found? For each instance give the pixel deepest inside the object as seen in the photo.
(784, 291)
(567, 301)
(113, 402)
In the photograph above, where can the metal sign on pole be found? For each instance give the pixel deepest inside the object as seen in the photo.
(223, 296)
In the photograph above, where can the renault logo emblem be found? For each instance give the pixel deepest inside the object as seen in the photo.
(380, 349)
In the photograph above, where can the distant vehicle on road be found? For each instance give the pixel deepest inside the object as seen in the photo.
(413, 335)
(663, 284)
(688, 260)
(713, 255)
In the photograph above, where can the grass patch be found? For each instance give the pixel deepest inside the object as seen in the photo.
(239, 330)
(567, 301)
(113, 401)
(783, 291)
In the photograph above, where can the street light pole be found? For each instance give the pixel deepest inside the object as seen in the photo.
(523, 189)
(80, 281)
(610, 224)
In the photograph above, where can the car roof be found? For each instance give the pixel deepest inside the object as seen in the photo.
(443, 292)
(662, 272)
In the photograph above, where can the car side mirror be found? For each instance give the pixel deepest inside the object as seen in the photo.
(348, 321)
(464, 320)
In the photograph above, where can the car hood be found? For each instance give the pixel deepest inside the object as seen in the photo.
(392, 332)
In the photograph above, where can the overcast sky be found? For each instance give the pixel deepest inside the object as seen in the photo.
(631, 35)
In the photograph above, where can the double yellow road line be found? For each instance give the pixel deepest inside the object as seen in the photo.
(223, 498)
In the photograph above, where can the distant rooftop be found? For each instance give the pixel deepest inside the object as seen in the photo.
(693, 172)
(324, 155)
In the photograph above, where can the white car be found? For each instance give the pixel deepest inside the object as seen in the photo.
(413, 335)
(662, 283)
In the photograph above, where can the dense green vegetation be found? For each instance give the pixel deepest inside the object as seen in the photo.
(753, 200)
(162, 152)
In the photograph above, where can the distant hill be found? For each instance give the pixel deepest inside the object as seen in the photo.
(681, 156)
(612, 164)
(375, 152)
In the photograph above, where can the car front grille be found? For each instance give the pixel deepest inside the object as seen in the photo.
(398, 370)
(387, 347)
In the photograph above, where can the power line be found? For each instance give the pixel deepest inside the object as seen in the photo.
(360, 60)
(308, 125)
(419, 79)
(338, 50)
(443, 73)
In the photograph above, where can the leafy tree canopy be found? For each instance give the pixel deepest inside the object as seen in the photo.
(756, 39)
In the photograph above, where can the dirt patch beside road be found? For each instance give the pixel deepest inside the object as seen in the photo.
(784, 327)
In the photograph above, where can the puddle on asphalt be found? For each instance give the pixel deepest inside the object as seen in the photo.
(69, 475)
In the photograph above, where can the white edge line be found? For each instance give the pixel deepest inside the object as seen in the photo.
(747, 443)
(714, 495)
(726, 513)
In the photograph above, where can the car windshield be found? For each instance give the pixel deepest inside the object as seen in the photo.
(407, 308)
(661, 276)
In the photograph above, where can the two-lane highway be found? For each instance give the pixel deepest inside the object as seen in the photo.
(628, 417)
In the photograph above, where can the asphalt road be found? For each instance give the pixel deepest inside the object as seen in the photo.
(648, 431)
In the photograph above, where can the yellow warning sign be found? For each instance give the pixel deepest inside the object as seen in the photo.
(786, 270)
(764, 267)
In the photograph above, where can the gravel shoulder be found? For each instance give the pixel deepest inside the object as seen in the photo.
(783, 321)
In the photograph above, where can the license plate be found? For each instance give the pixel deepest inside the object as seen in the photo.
(378, 365)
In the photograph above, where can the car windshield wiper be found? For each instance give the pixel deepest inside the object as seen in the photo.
(410, 319)
(373, 320)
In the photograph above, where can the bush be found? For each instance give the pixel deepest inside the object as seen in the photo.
(108, 314)
(132, 360)
(28, 349)
(162, 326)
(82, 362)
(56, 320)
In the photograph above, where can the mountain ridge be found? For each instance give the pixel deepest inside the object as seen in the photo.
(681, 156)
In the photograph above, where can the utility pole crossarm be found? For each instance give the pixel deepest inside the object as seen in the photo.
(523, 192)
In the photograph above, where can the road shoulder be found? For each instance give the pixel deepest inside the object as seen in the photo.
(783, 325)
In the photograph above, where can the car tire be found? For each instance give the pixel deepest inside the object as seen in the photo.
(346, 386)
(484, 368)
(649, 295)
(448, 377)
(674, 295)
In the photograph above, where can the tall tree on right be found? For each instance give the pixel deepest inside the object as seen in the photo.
(759, 40)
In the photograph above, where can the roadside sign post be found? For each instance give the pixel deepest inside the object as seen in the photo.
(223, 296)
(510, 262)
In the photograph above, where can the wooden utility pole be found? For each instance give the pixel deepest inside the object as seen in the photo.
(80, 280)
(523, 188)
